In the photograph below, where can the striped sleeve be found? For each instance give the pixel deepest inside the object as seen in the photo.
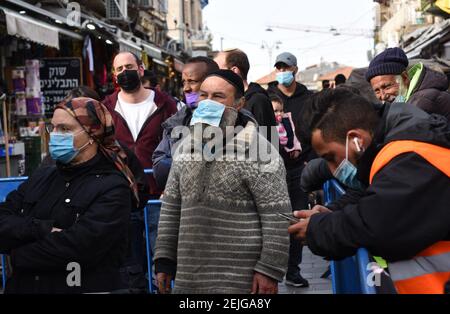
(270, 194)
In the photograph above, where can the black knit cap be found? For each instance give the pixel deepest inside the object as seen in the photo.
(231, 78)
(392, 61)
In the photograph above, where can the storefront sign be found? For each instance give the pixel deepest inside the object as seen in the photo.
(58, 77)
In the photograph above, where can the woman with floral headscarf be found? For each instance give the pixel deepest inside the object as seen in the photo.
(65, 228)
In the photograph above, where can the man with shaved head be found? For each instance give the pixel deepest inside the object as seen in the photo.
(138, 114)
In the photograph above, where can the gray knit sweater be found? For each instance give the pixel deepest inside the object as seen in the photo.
(219, 221)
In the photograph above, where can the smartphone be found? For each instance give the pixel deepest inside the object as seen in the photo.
(289, 217)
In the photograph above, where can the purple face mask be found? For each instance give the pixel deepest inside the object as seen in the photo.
(191, 99)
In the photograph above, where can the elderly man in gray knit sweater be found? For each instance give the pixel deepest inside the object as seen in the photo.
(219, 231)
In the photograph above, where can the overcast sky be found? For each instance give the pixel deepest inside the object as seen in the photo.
(242, 24)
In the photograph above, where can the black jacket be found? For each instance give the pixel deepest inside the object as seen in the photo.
(134, 165)
(91, 203)
(300, 106)
(405, 209)
(430, 93)
(258, 103)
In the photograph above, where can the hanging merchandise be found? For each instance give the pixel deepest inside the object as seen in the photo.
(88, 56)
(103, 79)
(88, 52)
(33, 89)
(144, 58)
(18, 83)
(21, 104)
(18, 78)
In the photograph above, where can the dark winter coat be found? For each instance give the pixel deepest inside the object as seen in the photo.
(405, 209)
(430, 93)
(91, 203)
(162, 156)
(150, 134)
(258, 103)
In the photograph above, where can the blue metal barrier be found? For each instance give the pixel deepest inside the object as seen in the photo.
(348, 275)
(8, 185)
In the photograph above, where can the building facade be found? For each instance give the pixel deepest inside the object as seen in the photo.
(186, 29)
(420, 27)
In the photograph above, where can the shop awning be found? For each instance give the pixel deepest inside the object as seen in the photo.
(35, 30)
(423, 38)
(152, 51)
(126, 45)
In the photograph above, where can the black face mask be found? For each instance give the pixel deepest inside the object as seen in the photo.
(129, 80)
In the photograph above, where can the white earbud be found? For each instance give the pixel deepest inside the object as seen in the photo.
(358, 148)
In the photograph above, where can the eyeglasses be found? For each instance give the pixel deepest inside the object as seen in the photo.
(49, 128)
(61, 129)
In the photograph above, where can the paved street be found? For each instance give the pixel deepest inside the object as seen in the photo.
(312, 268)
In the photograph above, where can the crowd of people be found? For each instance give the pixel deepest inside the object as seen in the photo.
(238, 169)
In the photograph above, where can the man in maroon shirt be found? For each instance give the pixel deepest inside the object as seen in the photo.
(138, 113)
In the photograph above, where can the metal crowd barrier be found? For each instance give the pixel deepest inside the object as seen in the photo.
(7, 185)
(349, 276)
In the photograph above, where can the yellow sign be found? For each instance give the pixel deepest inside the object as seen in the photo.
(444, 5)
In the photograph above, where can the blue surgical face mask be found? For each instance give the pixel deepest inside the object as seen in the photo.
(400, 98)
(191, 99)
(62, 148)
(208, 112)
(346, 172)
(285, 78)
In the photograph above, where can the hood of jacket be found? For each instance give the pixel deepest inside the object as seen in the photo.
(401, 121)
(300, 90)
(423, 78)
(254, 88)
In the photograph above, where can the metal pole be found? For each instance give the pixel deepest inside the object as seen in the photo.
(221, 43)
(6, 136)
(149, 251)
(270, 57)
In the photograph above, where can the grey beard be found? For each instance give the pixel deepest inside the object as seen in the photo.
(226, 126)
(229, 118)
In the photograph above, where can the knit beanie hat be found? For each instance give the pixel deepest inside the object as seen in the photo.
(392, 61)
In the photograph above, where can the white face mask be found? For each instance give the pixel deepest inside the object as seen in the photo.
(346, 172)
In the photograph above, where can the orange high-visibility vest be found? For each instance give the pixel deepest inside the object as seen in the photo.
(429, 270)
